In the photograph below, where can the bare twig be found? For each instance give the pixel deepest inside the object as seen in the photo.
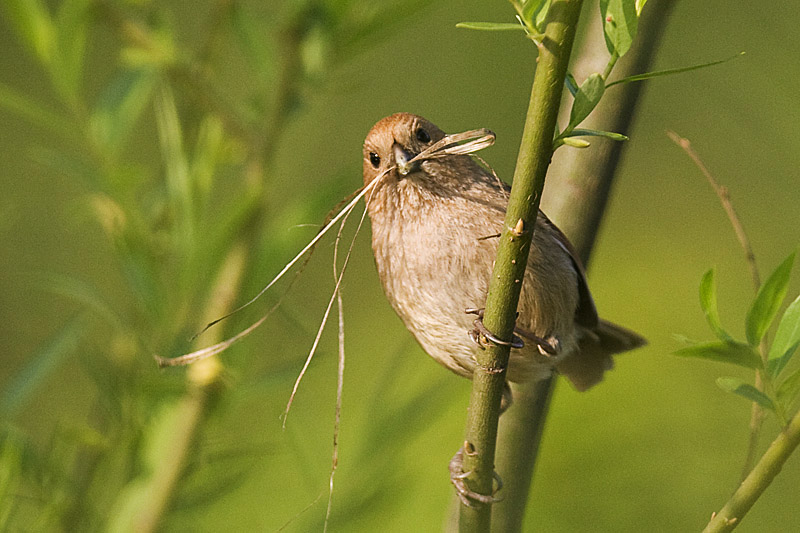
(757, 413)
(725, 200)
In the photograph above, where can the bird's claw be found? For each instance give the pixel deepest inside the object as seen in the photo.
(469, 497)
(547, 347)
(479, 332)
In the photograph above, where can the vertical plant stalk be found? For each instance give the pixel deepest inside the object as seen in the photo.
(534, 157)
(757, 480)
(203, 378)
(756, 412)
(575, 201)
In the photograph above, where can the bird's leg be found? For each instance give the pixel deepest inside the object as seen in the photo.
(458, 477)
(547, 347)
(479, 333)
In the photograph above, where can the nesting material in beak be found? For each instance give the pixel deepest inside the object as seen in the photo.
(404, 160)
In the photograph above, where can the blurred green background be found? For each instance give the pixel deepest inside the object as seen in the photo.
(160, 133)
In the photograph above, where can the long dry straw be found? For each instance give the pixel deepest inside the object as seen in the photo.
(472, 140)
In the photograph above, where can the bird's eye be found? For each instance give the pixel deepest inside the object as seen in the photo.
(375, 159)
(422, 136)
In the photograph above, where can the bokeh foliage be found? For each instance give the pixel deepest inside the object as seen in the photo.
(145, 139)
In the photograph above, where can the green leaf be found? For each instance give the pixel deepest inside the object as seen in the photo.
(34, 112)
(540, 15)
(639, 6)
(180, 187)
(157, 444)
(787, 339)
(491, 26)
(84, 294)
(667, 72)
(71, 25)
(789, 389)
(619, 24)
(736, 353)
(41, 364)
(253, 41)
(34, 26)
(745, 390)
(589, 94)
(530, 8)
(768, 301)
(572, 141)
(119, 107)
(533, 14)
(579, 132)
(708, 302)
(11, 476)
(572, 84)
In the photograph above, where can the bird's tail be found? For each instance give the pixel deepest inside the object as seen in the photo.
(586, 367)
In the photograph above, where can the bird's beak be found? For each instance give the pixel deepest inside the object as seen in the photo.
(402, 158)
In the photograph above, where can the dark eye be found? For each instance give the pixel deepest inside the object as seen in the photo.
(375, 159)
(422, 136)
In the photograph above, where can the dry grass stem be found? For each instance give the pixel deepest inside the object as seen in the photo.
(472, 140)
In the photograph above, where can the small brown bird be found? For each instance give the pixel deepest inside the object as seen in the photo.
(435, 229)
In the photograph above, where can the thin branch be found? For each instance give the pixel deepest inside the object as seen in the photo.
(575, 200)
(193, 405)
(725, 200)
(757, 480)
(756, 412)
(534, 157)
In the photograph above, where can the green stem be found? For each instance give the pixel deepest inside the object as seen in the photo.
(768, 388)
(575, 200)
(756, 412)
(203, 378)
(610, 66)
(534, 157)
(758, 480)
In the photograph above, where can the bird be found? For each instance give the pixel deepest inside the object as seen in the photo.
(436, 225)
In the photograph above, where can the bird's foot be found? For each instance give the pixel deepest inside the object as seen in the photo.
(548, 347)
(479, 334)
(458, 476)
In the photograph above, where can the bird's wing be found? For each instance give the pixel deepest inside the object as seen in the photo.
(586, 313)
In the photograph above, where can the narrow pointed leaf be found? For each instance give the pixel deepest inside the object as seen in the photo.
(41, 364)
(619, 24)
(579, 132)
(708, 302)
(726, 352)
(745, 390)
(768, 301)
(121, 104)
(34, 112)
(667, 72)
(530, 8)
(491, 26)
(33, 25)
(179, 181)
(589, 94)
(253, 42)
(639, 6)
(540, 14)
(787, 338)
(789, 388)
(572, 84)
(574, 142)
(68, 55)
(533, 14)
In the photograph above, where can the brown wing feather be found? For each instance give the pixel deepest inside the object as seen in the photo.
(586, 313)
